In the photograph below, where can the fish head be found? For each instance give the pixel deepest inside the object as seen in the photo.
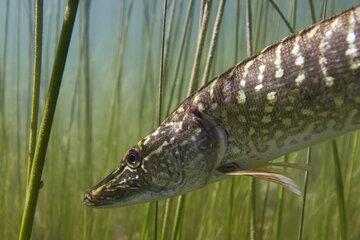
(174, 159)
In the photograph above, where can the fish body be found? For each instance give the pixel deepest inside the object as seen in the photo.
(300, 91)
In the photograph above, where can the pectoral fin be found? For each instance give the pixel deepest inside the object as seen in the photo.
(269, 176)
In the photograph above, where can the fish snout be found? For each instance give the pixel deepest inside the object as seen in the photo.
(95, 198)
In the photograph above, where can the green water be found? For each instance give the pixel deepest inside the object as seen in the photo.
(102, 112)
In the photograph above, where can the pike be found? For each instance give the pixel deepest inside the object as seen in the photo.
(300, 91)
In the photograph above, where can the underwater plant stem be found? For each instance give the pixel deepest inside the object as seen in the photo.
(339, 191)
(213, 42)
(162, 64)
(253, 224)
(232, 184)
(282, 16)
(184, 35)
(87, 130)
(160, 95)
(293, 9)
(306, 182)
(145, 226)
(199, 47)
(3, 136)
(36, 83)
(179, 214)
(249, 45)
(312, 11)
(279, 220)
(166, 218)
(18, 125)
(249, 50)
(32, 192)
(264, 211)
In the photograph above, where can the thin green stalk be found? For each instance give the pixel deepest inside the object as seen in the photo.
(87, 85)
(253, 222)
(231, 208)
(162, 64)
(87, 130)
(282, 16)
(63, 205)
(293, 8)
(31, 19)
(213, 42)
(3, 84)
(32, 192)
(181, 93)
(160, 96)
(179, 214)
(232, 184)
(249, 42)
(117, 80)
(306, 182)
(30, 67)
(168, 37)
(47, 46)
(264, 210)
(339, 191)
(57, 29)
(184, 35)
(36, 83)
(147, 63)
(237, 24)
(249, 50)
(199, 47)
(166, 218)
(324, 9)
(354, 149)
(279, 216)
(261, 16)
(18, 125)
(312, 11)
(145, 228)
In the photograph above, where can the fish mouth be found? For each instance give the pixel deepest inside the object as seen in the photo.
(90, 201)
(106, 199)
(120, 188)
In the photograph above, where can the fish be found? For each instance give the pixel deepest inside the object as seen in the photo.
(300, 91)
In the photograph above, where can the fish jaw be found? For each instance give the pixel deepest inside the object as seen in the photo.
(119, 188)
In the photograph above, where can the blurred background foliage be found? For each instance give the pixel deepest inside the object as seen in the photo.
(107, 103)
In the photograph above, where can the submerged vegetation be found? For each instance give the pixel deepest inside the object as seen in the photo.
(130, 63)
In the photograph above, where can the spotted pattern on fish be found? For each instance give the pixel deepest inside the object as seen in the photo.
(295, 93)
(300, 91)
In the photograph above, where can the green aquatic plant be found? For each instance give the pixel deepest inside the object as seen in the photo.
(123, 62)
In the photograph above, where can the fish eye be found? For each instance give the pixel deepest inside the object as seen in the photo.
(133, 159)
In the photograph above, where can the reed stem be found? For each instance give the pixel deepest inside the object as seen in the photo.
(87, 129)
(36, 83)
(199, 47)
(339, 191)
(303, 206)
(282, 16)
(32, 192)
(213, 42)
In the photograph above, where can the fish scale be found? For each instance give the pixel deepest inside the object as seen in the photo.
(315, 98)
(300, 91)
